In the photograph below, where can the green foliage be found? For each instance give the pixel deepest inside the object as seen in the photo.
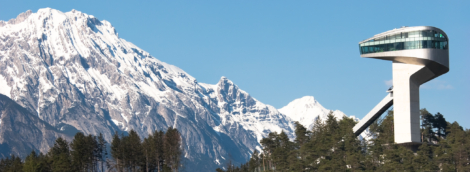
(59, 155)
(12, 164)
(158, 152)
(332, 146)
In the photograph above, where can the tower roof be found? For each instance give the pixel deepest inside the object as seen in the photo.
(404, 29)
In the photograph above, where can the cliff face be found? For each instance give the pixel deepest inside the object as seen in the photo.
(21, 132)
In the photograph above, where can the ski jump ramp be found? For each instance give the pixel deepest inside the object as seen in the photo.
(375, 113)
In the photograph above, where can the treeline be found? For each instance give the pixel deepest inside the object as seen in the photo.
(160, 152)
(332, 146)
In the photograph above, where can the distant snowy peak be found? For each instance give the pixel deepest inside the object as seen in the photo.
(306, 110)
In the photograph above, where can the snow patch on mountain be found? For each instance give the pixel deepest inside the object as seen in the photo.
(4, 88)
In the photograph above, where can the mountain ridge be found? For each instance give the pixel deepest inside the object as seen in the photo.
(75, 73)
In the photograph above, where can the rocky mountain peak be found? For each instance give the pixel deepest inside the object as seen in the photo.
(230, 93)
(20, 18)
(225, 83)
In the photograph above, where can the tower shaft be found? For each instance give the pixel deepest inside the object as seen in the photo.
(406, 81)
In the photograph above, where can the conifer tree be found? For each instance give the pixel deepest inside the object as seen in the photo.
(31, 163)
(101, 152)
(12, 164)
(424, 159)
(157, 149)
(134, 151)
(117, 152)
(427, 121)
(254, 162)
(458, 141)
(83, 148)
(60, 155)
(301, 134)
(172, 148)
(440, 124)
(148, 152)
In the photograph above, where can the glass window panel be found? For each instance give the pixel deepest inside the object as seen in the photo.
(428, 33)
(423, 33)
(413, 34)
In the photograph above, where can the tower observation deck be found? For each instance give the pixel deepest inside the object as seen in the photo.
(418, 54)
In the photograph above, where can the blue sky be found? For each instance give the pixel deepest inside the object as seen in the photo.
(282, 50)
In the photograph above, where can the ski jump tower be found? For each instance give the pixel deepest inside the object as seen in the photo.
(418, 54)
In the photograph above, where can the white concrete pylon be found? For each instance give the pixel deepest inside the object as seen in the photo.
(406, 81)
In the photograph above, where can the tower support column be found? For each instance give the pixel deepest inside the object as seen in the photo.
(406, 81)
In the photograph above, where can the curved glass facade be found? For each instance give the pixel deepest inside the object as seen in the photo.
(405, 41)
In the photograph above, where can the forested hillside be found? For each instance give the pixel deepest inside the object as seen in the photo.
(332, 146)
(160, 152)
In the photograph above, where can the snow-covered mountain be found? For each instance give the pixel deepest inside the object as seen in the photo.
(75, 73)
(306, 110)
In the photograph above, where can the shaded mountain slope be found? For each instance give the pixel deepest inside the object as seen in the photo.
(21, 132)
